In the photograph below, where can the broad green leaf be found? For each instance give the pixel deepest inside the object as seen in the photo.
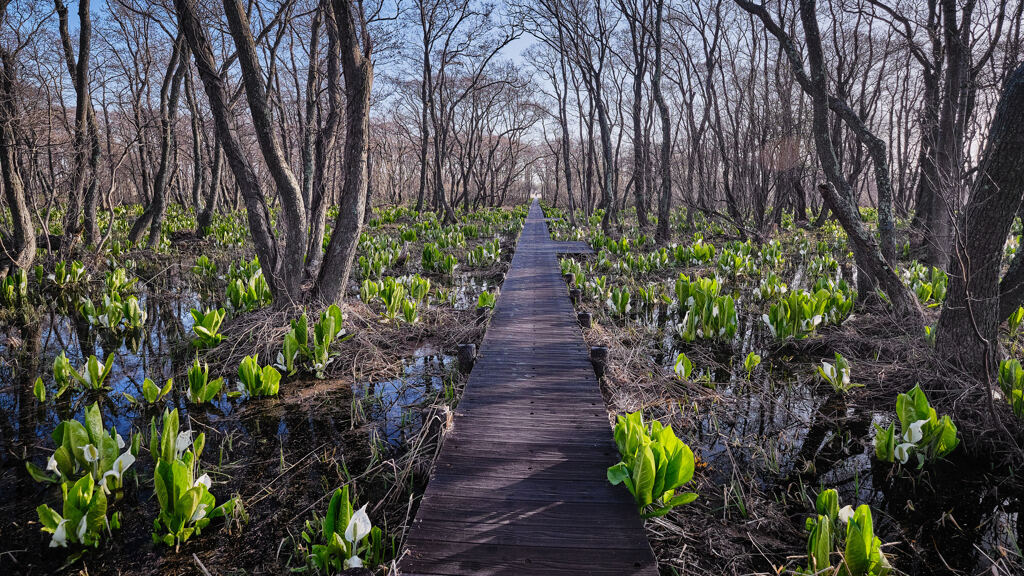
(644, 476)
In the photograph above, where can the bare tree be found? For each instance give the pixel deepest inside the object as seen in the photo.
(975, 304)
(87, 145)
(665, 197)
(356, 50)
(17, 249)
(837, 192)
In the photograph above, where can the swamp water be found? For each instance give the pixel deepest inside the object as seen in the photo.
(275, 452)
(786, 435)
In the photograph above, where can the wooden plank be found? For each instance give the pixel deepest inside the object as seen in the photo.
(563, 514)
(495, 559)
(520, 486)
(531, 531)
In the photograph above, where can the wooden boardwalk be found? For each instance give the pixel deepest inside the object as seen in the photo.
(519, 486)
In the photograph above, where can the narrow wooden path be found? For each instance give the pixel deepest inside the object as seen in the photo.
(519, 486)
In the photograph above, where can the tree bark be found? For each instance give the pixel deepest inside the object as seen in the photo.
(246, 180)
(82, 200)
(358, 73)
(293, 210)
(663, 234)
(838, 191)
(212, 191)
(323, 147)
(153, 216)
(18, 249)
(969, 324)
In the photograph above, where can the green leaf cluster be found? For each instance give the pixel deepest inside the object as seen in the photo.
(343, 538)
(256, 380)
(1011, 382)
(923, 435)
(200, 388)
(186, 504)
(861, 550)
(206, 327)
(655, 463)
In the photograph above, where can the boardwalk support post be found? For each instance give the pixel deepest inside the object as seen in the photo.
(574, 296)
(584, 319)
(599, 358)
(466, 357)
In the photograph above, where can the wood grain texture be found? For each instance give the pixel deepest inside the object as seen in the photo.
(519, 486)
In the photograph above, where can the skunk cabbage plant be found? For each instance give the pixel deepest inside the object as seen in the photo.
(655, 463)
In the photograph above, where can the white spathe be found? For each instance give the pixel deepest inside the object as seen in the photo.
(359, 526)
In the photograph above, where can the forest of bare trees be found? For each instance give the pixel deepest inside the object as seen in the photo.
(737, 109)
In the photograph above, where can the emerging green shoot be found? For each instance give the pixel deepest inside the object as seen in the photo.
(654, 464)
(838, 374)
(255, 380)
(344, 538)
(924, 436)
(206, 327)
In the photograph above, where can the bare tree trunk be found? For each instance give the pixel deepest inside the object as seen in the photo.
(663, 234)
(153, 216)
(18, 249)
(293, 213)
(246, 180)
(212, 192)
(969, 324)
(839, 194)
(83, 191)
(358, 72)
(198, 171)
(637, 18)
(563, 122)
(425, 98)
(323, 147)
(307, 116)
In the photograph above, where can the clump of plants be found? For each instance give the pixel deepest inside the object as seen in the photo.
(151, 393)
(799, 313)
(1011, 382)
(186, 504)
(837, 374)
(92, 376)
(706, 312)
(247, 288)
(928, 283)
(655, 463)
(618, 301)
(859, 549)
(205, 267)
(486, 300)
(923, 436)
(89, 465)
(206, 327)
(83, 516)
(86, 449)
(343, 538)
(200, 388)
(297, 349)
(14, 289)
(255, 380)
